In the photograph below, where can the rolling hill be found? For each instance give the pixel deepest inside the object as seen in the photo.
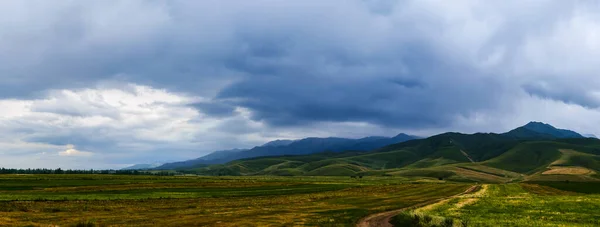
(535, 151)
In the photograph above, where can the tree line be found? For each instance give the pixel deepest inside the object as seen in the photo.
(91, 171)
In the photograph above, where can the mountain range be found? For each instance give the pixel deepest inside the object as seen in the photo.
(143, 166)
(288, 147)
(535, 151)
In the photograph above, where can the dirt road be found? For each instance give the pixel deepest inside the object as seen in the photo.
(383, 219)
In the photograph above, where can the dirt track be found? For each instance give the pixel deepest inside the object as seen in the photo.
(383, 219)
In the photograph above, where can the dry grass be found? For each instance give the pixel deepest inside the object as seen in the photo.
(238, 205)
(571, 170)
(458, 201)
(481, 176)
(545, 190)
(566, 154)
(471, 198)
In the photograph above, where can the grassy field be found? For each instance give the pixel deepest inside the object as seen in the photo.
(548, 204)
(111, 200)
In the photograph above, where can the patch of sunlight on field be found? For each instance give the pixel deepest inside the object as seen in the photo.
(523, 205)
(456, 202)
(575, 170)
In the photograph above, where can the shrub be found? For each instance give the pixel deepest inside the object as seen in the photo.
(413, 219)
(85, 224)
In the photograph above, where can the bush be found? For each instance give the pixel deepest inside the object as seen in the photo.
(414, 219)
(85, 224)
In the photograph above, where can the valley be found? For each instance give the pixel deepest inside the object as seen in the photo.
(535, 175)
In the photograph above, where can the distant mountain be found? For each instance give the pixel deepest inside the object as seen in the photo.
(534, 130)
(216, 157)
(590, 136)
(292, 147)
(277, 143)
(142, 166)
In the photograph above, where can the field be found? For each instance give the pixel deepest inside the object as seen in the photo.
(544, 204)
(113, 200)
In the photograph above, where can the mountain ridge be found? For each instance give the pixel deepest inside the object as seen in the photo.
(539, 129)
(142, 166)
(304, 146)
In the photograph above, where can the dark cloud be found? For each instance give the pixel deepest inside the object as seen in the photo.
(563, 93)
(425, 91)
(397, 52)
(384, 7)
(219, 109)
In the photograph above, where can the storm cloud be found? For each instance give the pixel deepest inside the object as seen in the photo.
(129, 81)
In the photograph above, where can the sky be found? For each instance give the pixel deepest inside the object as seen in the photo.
(107, 84)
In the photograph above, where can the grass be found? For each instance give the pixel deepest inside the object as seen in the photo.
(524, 205)
(579, 187)
(539, 155)
(107, 200)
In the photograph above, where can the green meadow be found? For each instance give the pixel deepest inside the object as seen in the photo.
(524, 204)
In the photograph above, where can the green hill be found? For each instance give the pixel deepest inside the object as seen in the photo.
(527, 157)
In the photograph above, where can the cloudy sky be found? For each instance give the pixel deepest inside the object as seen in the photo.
(105, 84)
